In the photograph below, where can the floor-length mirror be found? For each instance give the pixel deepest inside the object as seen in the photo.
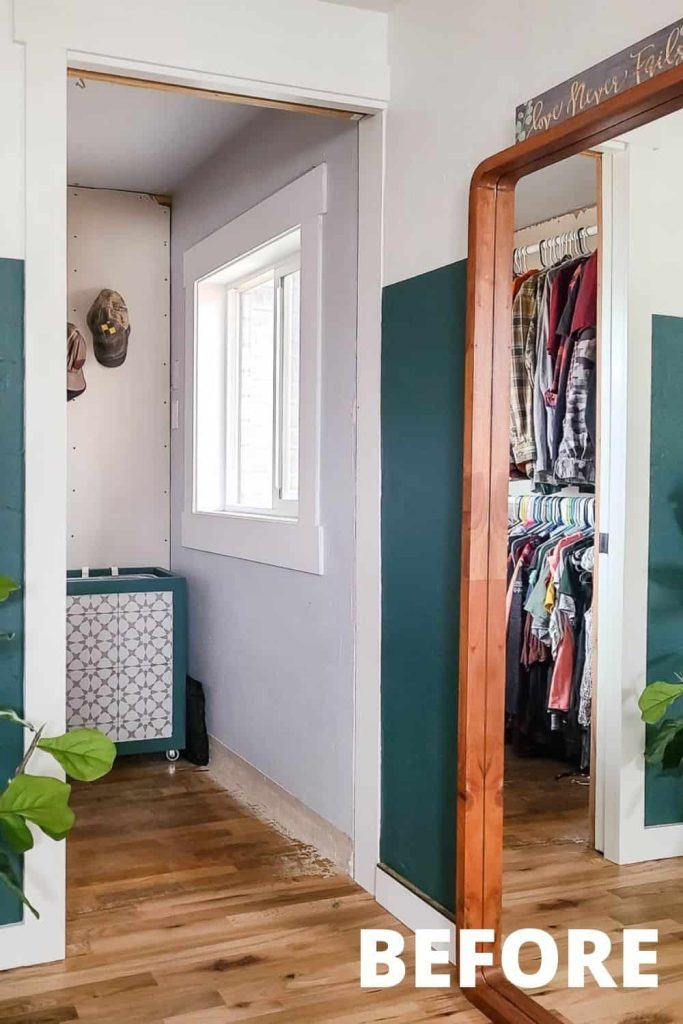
(592, 831)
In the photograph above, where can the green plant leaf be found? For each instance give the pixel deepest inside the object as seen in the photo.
(659, 737)
(7, 587)
(11, 716)
(84, 754)
(656, 699)
(673, 752)
(9, 877)
(16, 832)
(39, 799)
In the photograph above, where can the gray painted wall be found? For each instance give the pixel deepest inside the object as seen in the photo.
(274, 647)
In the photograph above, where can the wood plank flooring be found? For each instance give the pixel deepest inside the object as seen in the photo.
(554, 881)
(185, 909)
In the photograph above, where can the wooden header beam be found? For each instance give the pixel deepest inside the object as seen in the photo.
(213, 94)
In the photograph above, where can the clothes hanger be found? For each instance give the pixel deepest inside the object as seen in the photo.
(576, 251)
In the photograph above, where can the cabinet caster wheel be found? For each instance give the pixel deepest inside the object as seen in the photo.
(172, 755)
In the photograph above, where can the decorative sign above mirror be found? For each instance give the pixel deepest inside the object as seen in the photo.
(644, 60)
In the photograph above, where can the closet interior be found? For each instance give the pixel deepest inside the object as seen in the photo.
(551, 506)
(126, 624)
(151, 171)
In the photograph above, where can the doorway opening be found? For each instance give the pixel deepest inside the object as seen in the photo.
(573, 831)
(211, 488)
(554, 472)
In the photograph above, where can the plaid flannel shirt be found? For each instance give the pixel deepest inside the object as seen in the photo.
(523, 355)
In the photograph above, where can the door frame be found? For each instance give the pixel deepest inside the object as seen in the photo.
(479, 842)
(47, 60)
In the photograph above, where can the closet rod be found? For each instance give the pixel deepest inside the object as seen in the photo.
(530, 250)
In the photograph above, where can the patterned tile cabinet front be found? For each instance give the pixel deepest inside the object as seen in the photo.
(123, 675)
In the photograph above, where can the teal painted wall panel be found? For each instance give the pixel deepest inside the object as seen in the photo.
(664, 790)
(11, 523)
(423, 328)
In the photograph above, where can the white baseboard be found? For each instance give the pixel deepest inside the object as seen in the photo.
(649, 842)
(410, 910)
(274, 805)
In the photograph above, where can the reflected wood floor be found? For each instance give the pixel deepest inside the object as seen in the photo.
(185, 909)
(554, 881)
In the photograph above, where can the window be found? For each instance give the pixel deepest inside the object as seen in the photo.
(252, 382)
(247, 358)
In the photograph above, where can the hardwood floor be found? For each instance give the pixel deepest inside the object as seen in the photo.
(554, 881)
(185, 909)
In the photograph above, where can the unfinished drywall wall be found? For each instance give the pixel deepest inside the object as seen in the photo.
(274, 647)
(119, 429)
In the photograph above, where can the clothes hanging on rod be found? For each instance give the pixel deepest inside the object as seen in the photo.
(553, 376)
(549, 626)
(552, 249)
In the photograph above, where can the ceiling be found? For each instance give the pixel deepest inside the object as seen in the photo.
(144, 140)
(367, 5)
(560, 188)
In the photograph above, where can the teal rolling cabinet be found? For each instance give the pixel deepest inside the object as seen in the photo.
(126, 657)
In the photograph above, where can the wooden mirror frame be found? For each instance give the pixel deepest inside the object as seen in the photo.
(481, 748)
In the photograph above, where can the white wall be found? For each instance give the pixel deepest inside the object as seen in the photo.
(12, 134)
(303, 45)
(274, 647)
(458, 71)
(118, 430)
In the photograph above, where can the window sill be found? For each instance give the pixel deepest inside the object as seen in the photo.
(252, 514)
(283, 542)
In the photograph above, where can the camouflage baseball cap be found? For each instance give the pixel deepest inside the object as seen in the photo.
(76, 351)
(110, 327)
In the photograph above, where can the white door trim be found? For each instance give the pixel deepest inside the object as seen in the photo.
(223, 83)
(46, 65)
(412, 911)
(607, 636)
(368, 609)
(37, 941)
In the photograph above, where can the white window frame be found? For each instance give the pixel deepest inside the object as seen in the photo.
(280, 507)
(275, 539)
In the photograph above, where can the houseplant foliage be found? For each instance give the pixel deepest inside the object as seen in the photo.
(39, 801)
(664, 745)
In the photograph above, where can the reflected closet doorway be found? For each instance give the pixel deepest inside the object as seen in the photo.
(549, 770)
